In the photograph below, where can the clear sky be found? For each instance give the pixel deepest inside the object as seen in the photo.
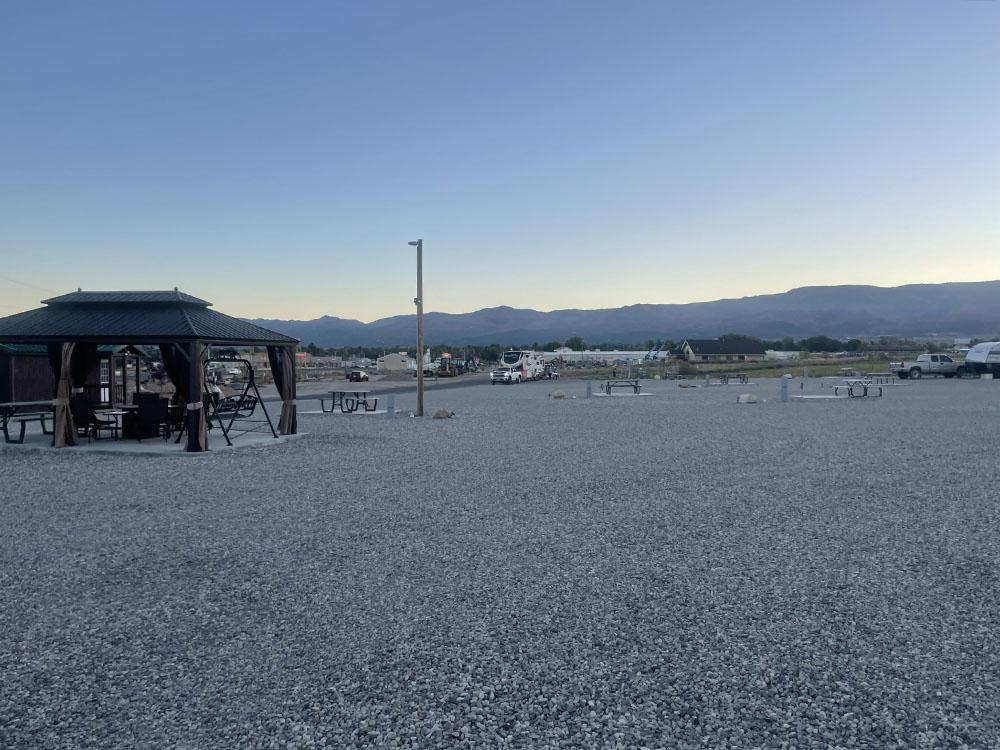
(275, 158)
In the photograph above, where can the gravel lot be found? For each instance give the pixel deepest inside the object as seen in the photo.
(677, 571)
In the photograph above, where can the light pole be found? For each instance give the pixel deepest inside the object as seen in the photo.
(419, 301)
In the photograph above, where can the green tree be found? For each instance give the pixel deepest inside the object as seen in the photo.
(551, 346)
(490, 353)
(821, 344)
(576, 343)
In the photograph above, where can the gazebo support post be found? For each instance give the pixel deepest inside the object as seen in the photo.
(282, 361)
(197, 434)
(63, 429)
(289, 418)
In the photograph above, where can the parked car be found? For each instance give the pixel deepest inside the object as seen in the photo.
(357, 376)
(928, 364)
(506, 375)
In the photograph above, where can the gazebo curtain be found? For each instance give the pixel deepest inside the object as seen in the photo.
(282, 361)
(189, 387)
(71, 363)
(178, 370)
(55, 362)
(85, 356)
(63, 428)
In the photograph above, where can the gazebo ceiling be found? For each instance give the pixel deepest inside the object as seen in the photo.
(133, 318)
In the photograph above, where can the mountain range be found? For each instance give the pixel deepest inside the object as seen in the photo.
(951, 309)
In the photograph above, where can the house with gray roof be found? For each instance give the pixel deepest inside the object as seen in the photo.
(721, 350)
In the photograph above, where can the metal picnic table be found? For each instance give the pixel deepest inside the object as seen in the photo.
(15, 411)
(632, 383)
(348, 402)
(858, 387)
(881, 378)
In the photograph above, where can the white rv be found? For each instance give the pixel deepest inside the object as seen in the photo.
(531, 364)
(982, 358)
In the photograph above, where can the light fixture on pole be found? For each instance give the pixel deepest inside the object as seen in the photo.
(419, 302)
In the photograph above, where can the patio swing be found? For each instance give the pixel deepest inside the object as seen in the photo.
(226, 411)
(240, 408)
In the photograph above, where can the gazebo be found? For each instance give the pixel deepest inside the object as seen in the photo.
(72, 326)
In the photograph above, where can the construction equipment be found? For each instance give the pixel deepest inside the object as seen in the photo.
(654, 353)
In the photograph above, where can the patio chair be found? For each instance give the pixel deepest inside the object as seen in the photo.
(88, 423)
(151, 419)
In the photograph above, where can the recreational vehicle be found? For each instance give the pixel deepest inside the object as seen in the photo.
(984, 358)
(531, 364)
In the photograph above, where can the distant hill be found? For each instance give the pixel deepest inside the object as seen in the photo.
(969, 309)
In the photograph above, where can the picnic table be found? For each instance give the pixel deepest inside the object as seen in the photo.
(348, 402)
(632, 383)
(741, 377)
(858, 387)
(881, 378)
(23, 412)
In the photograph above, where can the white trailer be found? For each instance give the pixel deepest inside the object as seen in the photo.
(531, 364)
(984, 358)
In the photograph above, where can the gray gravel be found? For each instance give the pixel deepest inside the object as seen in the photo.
(677, 571)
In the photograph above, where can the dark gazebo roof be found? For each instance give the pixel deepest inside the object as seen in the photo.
(81, 297)
(133, 318)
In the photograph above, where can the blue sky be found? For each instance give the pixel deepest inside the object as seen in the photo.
(551, 154)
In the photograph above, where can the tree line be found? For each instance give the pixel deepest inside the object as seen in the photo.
(492, 352)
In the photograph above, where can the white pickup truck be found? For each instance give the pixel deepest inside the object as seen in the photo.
(505, 375)
(928, 364)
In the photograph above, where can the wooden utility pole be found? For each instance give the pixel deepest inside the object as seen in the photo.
(419, 300)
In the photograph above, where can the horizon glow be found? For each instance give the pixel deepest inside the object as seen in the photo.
(276, 160)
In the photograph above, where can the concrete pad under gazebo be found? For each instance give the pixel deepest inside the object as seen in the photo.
(73, 325)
